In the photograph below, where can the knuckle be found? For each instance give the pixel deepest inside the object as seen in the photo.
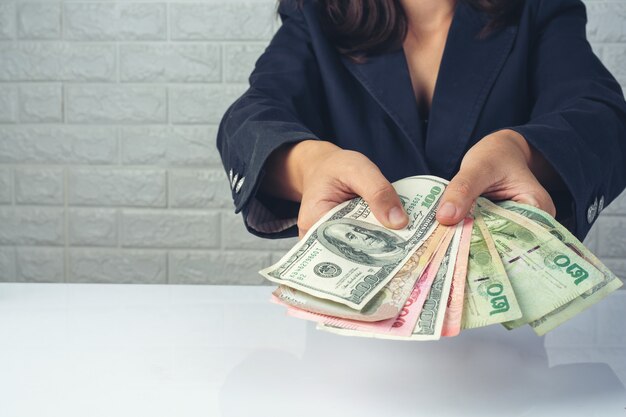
(303, 229)
(462, 187)
(543, 198)
(381, 192)
(365, 167)
(489, 165)
(350, 171)
(349, 159)
(354, 155)
(550, 208)
(303, 224)
(542, 195)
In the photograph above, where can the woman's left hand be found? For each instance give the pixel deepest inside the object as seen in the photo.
(501, 166)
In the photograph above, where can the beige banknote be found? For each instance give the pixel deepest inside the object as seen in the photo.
(454, 307)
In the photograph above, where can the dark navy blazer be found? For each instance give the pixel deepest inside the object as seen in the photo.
(538, 77)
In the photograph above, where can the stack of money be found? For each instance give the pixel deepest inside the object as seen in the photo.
(506, 263)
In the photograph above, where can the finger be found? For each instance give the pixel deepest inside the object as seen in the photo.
(305, 220)
(527, 191)
(456, 201)
(549, 207)
(538, 198)
(380, 195)
(310, 212)
(527, 199)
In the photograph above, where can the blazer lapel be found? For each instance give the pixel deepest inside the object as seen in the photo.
(468, 69)
(386, 77)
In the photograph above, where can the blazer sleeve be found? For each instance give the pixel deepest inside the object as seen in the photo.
(578, 119)
(280, 106)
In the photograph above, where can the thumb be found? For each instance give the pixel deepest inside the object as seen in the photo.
(460, 194)
(381, 197)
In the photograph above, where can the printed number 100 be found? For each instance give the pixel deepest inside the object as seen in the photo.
(431, 197)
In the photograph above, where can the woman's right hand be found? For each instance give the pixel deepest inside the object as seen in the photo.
(327, 175)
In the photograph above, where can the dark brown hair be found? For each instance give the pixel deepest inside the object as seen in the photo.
(363, 27)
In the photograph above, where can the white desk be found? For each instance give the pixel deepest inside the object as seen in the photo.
(128, 350)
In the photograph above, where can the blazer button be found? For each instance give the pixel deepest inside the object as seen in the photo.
(239, 184)
(601, 204)
(234, 180)
(592, 211)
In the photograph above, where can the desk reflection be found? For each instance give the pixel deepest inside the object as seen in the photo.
(486, 372)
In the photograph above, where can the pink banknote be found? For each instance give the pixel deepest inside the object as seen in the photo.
(454, 308)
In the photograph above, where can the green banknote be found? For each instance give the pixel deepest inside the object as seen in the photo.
(608, 284)
(544, 272)
(489, 295)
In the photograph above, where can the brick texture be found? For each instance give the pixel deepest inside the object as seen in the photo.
(117, 187)
(8, 103)
(108, 118)
(57, 61)
(40, 103)
(97, 21)
(7, 20)
(173, 146)
(34, 185)
(39, 21)
(93, 227)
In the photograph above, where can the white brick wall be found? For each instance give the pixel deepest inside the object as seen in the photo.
(108, 117)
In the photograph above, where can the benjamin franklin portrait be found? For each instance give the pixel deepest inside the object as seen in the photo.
(362, 242)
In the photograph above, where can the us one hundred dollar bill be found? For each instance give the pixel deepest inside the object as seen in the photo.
(348, 256)
(387, 303)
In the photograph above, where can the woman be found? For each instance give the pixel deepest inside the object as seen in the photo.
(503, 97)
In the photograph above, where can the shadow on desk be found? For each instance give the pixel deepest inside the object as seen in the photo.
(483, 372)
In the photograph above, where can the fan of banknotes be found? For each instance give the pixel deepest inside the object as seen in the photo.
(506, 263)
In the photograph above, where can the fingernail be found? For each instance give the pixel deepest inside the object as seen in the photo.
(447, 210)
(397, 216)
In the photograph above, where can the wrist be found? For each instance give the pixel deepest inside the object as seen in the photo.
(283, 178)
(291, 164)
